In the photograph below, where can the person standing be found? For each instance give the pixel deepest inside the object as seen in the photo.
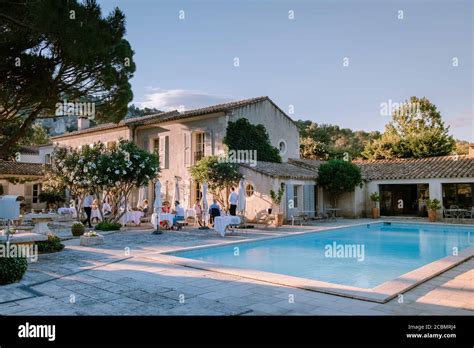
(88, 200)
(233, 199)
(198, 212)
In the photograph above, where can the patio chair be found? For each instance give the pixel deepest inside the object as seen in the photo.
(296, 216)
(447, 214)
(469, 214)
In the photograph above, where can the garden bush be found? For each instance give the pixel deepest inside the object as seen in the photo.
(12, 269)
(52, 245)
(77, 229)
(108, 226)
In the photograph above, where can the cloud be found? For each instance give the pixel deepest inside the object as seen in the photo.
(176, 99)
(460, 122)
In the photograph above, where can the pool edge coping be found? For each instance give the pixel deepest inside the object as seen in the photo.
(380, 294)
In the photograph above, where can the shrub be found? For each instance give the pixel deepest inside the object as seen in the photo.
(52, 245)
(108, 226)
(77, 229)
(12, 269)
(374, 197)
(338, 177)
(433, 204)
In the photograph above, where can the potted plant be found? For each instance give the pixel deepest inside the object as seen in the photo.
(91, 238)
(276, 199)
(433, 206)
(77, 229)
(375, 197)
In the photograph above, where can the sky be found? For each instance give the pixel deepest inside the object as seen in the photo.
(330, 61)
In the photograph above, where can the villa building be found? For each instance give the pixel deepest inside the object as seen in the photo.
(182, 138)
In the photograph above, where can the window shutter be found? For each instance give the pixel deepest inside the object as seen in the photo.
(162, 152)
(167, 151)
(289, 197)
(309, 204)
(208, 144)
(187, 149)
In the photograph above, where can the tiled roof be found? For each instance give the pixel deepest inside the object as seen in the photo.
(20, 168)
(282, 170)
(422, 168)
(407, 168)
(99, 127)
(29, 150)
(173, 115)
(306, 163)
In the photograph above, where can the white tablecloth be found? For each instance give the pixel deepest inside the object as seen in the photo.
(96, 214)
(65, 211)
(164, 216)
(133, 216)
(221, 222)
(167, 216)
(190, 212)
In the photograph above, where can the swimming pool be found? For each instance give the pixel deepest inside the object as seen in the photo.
(362, 256)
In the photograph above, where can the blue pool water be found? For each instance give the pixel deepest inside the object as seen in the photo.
(363, 256)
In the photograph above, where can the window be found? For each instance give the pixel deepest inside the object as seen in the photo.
(296, 189)
(200, 144)
(249, 190)
(3, 189)
(36, 192)
(47, 158)
(282, 147)
(460, 195)
(156, 146)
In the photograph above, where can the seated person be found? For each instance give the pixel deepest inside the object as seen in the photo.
(179, 211)
(144, 207)
(106, 208)
(214, 210)
(166, 208)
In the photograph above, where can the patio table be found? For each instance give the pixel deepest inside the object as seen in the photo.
(168, 217)
(332, 212)
(133, 216)
(96, 214)
(67, 211)
(457, 213)
(190, 213)
(221, 223)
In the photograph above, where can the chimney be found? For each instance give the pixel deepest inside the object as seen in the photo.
(83, 123)
(471, 150)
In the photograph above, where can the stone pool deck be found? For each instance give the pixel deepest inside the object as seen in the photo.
(124, 277)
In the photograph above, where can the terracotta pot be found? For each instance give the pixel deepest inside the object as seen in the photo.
(432, 215)
(375, 213)
(279, 219)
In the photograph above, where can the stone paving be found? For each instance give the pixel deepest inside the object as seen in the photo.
(122, 278)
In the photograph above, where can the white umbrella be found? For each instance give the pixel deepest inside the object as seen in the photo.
(142, 194)
(241, 201)
(204, 204)
(157, 204)
(176, 196)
